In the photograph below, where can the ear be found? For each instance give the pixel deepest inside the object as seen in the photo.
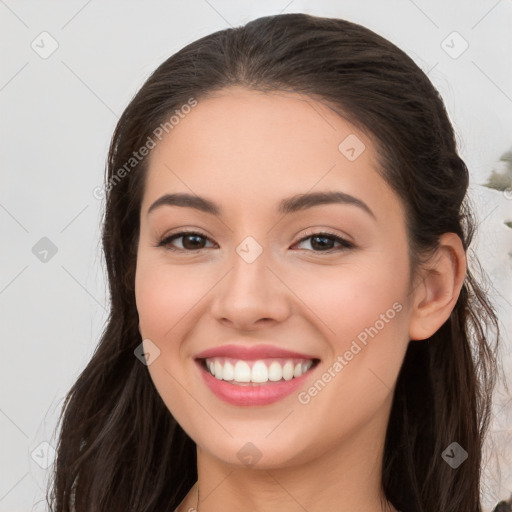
(438, 287)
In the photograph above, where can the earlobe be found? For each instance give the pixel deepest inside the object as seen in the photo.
(439, 287)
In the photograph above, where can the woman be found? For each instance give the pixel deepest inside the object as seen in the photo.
(293, 323)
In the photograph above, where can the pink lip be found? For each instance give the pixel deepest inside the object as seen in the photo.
(252, 394)
(254, 352)
(257, 394)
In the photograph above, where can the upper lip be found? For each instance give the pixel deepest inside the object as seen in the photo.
(251, 352)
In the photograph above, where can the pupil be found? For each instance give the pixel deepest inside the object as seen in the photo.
(322, 245)
(194, 244)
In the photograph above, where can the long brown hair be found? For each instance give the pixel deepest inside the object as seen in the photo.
(120, 449)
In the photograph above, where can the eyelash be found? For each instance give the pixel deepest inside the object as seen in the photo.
(166, 241)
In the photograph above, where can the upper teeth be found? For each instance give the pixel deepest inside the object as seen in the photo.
(257, 371)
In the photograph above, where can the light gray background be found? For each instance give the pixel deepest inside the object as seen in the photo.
(58, 114)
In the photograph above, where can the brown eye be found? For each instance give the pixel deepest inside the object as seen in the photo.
(324, 242)
(191, 241)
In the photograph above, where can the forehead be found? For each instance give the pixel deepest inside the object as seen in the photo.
(253, 148)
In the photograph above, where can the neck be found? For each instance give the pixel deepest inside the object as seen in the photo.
(344, 479)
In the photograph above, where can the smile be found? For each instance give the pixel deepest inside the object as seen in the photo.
(255, 382)
(238, 371)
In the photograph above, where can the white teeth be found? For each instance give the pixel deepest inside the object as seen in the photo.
(229, 371)
(306, 366)
(218, 370)
(260, 372)
(288, 371)
(242, 372)
(275, 371)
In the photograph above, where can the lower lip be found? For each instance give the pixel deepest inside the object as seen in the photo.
(258, 394)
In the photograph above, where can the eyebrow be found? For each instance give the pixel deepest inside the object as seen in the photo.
(286, 206)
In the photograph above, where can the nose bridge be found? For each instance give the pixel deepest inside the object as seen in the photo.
(250, 291)
(249, 279)
(249, 250)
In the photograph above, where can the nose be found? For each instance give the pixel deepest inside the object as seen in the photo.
(251, 295)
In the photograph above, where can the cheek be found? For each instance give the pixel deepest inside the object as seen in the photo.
(366, 309)
(349, 299)
(154, 298)
(163, 296)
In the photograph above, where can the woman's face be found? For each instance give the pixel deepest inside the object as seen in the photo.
(264, 285)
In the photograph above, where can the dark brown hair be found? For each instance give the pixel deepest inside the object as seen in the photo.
(120, 449)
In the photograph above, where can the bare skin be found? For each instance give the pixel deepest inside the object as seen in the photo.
(247, 151)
